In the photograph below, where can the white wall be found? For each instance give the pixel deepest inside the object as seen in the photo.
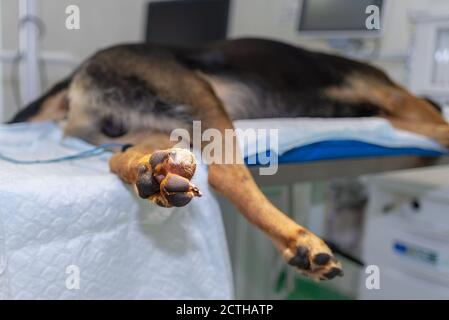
(105, 22)
(271, 18)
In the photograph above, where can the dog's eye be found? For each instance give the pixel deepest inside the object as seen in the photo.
(113, 128)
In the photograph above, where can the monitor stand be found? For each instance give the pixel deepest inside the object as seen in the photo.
(346, 45)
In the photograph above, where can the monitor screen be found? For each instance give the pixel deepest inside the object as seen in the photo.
(331, 15)
(187, 22)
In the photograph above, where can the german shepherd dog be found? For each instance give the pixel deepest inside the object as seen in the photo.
(138, 93)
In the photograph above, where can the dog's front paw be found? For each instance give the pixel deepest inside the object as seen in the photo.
(312, 257)
(164, 178)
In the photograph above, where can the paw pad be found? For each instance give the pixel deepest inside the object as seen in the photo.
(147, 185)
(176, 161)
(166, 181)
(321, 259)
(301, 259)
(312, 257)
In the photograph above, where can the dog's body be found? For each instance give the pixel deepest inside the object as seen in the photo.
(253, 78)
(139, 93)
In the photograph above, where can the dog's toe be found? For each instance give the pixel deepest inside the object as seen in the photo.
(301, 258)
(147, 185)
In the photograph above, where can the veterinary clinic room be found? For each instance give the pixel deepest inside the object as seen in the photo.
(224, 150)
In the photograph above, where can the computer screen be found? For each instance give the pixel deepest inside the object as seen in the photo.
(186, 22)
(330, 16)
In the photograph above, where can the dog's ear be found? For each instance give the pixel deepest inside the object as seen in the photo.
(434, 104)
(35, 107)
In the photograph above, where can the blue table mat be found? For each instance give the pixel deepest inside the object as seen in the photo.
(343, 149)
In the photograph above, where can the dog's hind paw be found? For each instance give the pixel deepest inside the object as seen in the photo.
(441, 134)
(164, 178)
(312, 257)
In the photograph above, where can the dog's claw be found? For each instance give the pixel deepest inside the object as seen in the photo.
(165, 178)
(333, 273)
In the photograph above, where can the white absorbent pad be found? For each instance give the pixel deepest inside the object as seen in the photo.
(297, 132)
(70, 221)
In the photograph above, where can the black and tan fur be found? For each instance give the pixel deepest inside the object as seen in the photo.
(139, 93)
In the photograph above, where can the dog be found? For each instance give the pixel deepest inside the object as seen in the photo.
(137, 94)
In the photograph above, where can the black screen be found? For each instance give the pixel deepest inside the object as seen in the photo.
(187, 22)
(331, 15)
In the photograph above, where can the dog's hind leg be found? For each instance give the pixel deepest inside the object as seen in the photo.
(438, 132)
(408, 112)
(394, 103)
